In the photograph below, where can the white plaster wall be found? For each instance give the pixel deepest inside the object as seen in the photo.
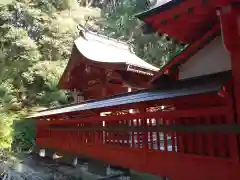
(211, 59)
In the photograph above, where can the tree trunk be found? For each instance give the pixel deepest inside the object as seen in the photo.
(104, 6)
(89, 3)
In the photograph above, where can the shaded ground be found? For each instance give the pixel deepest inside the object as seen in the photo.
(32, 167)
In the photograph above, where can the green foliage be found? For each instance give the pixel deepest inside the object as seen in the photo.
(16, 133)
(4, 2)
(5, 131)
(54, 5)
(36, 37)
(23, 136)
(121, 23)
(7, 96)
(35, 47)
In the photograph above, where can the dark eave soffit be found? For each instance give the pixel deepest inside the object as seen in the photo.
(158, 9)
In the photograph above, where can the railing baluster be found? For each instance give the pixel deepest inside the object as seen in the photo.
(132, 134)
(143, 133)
(233, 141)
(224, 142)
(158, 143)
(150, 137)
(198, 139)
(165, 137)
(210, 139)
(173, 137)
(138, 134)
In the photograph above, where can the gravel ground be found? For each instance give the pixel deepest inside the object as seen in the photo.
(33, 167)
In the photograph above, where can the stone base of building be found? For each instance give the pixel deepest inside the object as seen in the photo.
(90, 169)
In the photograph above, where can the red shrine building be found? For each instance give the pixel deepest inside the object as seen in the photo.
(185, 123)
(101, 67)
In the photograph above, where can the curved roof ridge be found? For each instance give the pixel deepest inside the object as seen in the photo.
(105, 50)
(108, 40)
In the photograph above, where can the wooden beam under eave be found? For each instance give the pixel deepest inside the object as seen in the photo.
(187, 53)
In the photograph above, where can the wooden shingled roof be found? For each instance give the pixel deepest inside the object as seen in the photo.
(103, 52)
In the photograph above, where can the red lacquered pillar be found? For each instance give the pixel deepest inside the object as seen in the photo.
(229, 14)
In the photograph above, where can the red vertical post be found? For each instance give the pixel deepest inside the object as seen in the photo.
(151, 141)
(209, 139)
(138, 135)
(157, 136)
(144, 134)
(229, 14)
(38, 131)
(165, 138)
(173, 136)
(132, 134)
(198, 139)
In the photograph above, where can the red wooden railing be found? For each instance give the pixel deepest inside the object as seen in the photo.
(179, 144)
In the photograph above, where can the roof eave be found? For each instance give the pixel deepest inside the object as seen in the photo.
(189, 51)
(158, 9)
(200, 85)
(141, 70)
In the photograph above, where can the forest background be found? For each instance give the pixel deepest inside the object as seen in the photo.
(36, 37)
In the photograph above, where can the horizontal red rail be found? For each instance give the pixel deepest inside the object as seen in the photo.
(170, 144)
(228, 129)
(170, 114)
